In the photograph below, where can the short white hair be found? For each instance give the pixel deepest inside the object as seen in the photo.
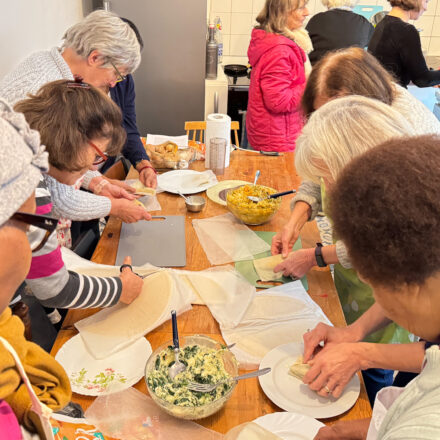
(343, 129)
(109, 35)
(329, 4)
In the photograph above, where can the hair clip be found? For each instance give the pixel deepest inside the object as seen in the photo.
(78, 82)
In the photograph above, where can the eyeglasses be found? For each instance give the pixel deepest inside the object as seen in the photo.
(103, 156)
(118, 74)
(49, 224)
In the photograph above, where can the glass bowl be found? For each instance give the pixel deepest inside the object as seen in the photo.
(193, 412)
(249, 212)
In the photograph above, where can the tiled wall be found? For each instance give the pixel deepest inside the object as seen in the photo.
(238, 18)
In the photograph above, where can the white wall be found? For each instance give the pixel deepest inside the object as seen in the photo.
(27, 26)
(238, 18)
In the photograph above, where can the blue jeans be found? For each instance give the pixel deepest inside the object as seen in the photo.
(375, 379)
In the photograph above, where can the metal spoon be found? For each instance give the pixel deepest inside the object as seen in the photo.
(181, 195)
(272, 196)
(207, 387)
(257, 175)
(177, 367)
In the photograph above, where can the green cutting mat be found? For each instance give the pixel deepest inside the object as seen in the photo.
(246, 268)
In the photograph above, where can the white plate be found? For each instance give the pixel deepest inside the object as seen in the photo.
(93, 377)
(291, 394)
(186, 181)
(290, 426)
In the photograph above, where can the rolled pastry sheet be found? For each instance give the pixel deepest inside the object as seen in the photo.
(298, 369)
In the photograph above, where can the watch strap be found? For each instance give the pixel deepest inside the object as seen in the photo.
(318, 255)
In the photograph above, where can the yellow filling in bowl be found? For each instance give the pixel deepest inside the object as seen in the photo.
(252, 213)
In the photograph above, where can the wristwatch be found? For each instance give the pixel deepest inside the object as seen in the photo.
(318, 255)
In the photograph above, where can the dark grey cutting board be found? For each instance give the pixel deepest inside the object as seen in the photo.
(158, 242)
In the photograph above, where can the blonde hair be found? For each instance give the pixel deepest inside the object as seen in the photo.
(107, 33)
(273, 16)
(341, 130)
(329, 4)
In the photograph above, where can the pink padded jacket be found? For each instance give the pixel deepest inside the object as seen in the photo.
(274, 118)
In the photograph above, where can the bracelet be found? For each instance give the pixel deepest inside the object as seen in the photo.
(318, 255)
(147, 166)
(100, 185)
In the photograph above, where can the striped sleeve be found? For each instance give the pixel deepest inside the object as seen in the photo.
(52, 284)
(82, 291)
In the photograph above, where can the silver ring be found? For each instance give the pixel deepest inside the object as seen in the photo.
(327, 390)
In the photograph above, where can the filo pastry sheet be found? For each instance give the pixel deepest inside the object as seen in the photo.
(276, 316)
(112, 329)
(225, 239)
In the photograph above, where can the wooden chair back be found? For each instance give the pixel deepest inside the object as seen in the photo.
(196, 131)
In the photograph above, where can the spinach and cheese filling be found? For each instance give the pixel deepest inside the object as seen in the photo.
(203, 365)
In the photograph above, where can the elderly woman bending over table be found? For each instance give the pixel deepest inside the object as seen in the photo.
(404, 275)
(333, 136)
(98, 49)
(78, 124)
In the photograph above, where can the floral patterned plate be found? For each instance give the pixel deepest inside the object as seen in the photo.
(93, 377)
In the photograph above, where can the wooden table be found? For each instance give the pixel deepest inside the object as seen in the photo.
(248, 401)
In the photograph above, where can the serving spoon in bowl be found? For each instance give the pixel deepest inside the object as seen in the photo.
(177, 367)
(257, 175)
(272, 196)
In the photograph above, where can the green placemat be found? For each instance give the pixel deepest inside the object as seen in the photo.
(246, 268)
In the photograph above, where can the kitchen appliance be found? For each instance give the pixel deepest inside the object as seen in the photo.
(211, 54)
(170, 81)
(238, 93)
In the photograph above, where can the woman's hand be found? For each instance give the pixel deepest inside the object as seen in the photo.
(118, 190)
(131, 284)
(298, 263)
(333, 367)
(148, 177)
(345, 430)
(284, 240)
(327, 333)
(128, 211)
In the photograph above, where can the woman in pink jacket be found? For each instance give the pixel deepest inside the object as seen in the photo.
(278, 56)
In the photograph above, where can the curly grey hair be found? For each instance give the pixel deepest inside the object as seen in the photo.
(109, 35)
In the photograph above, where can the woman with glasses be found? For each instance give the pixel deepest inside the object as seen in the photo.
(18, 179)
(90, 51)
(79, 125)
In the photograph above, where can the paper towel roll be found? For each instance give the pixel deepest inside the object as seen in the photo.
(218, 125)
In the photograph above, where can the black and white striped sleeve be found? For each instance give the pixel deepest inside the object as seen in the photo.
(83, 291)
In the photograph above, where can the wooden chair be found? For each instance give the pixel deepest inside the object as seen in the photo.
(116, 171)
(196, 131)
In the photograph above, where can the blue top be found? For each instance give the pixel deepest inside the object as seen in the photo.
(123, 94)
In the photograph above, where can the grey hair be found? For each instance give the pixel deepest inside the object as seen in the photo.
(329, 4)
(109, 35)
(341, 130)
